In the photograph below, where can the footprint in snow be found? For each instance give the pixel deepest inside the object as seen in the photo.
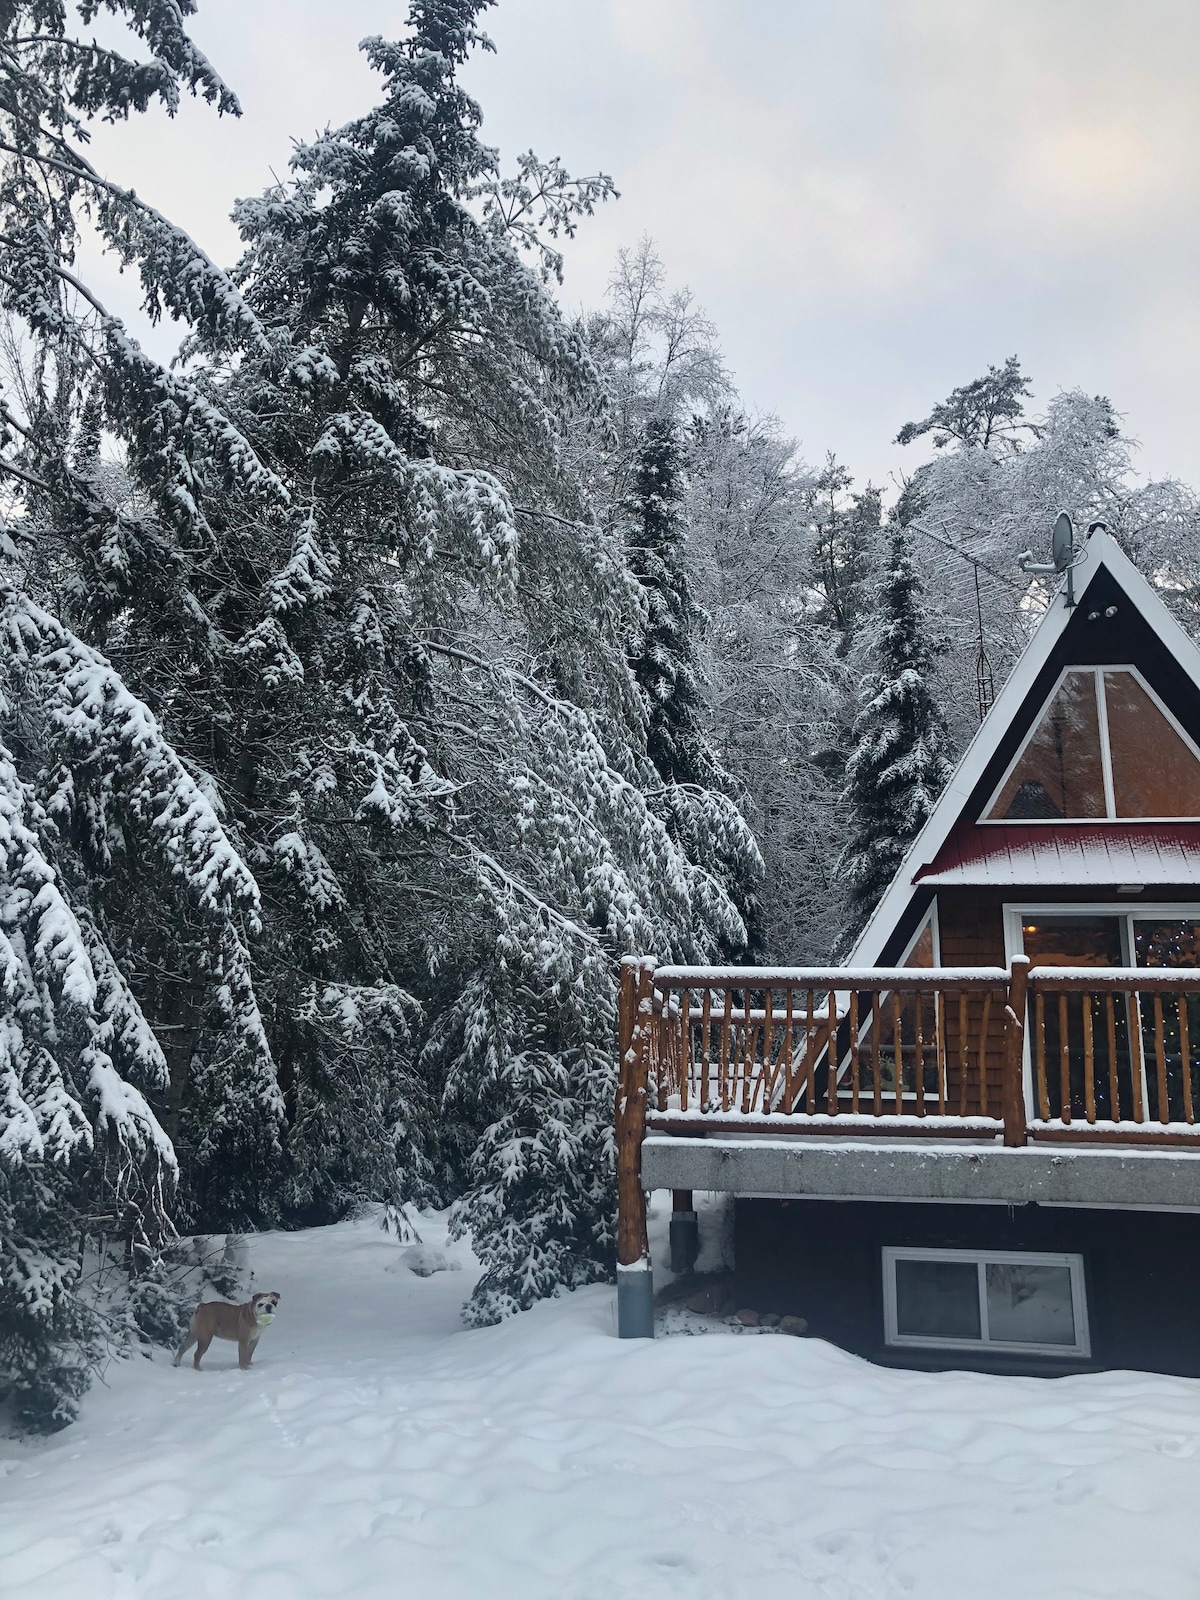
(672, 1563)
(1179, 1448)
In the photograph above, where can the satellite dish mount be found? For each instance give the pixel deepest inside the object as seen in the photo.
(1064, 556)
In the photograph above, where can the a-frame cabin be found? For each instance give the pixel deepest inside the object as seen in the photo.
(1079, 795)
(976, 1143)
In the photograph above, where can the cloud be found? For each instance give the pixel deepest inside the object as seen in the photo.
(872, 198)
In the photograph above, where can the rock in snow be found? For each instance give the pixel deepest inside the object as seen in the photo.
(424, 1260)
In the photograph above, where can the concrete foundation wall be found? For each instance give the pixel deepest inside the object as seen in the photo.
(841, 1168)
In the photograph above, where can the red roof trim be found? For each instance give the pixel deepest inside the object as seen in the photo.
(1080, 854)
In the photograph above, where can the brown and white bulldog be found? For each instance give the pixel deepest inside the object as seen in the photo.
(215, 1319)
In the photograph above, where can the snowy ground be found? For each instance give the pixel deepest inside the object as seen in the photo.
(377, 1449)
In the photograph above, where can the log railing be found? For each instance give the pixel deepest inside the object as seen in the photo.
(1086, 1055)
(1114, 1054)
(1107, 1054)
(836, 1050)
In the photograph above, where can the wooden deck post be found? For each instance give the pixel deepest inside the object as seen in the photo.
(635, 1284)
(685, 1231)
(1015, 1131)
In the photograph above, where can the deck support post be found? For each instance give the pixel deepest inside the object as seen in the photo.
(685, 1232)
(1015, 1128)
(635, 1280)
(635, 1301)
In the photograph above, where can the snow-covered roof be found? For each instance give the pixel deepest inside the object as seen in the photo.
(1101, 553)
(1112, 853)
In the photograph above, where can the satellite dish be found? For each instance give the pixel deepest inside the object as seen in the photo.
(1062, 542)
(1062, 545)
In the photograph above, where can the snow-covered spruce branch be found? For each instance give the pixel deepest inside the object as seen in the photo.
(541, 906)
(30, 478)
(150, 396)
(553, 516)
(53, 962)
(194, 285)
(99, 722)
(498, 669)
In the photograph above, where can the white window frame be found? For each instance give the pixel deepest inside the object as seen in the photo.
(1127, 912)
(929, 920)
(1081, 1350)
(1110, 804)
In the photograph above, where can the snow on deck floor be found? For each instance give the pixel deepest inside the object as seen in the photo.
(379, 1449)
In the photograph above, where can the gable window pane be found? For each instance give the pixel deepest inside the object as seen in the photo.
(921, 954)
(1155, 774)
(937, 1299)
(1029, 1304)
(1061, 773)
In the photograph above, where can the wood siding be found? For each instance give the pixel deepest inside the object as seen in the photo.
(971, 934)
(971, 927)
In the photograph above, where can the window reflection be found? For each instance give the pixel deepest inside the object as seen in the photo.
(1174, 1024)
(1029, 1304)
(938, 1299)
(1100, 714)
(998, 1300)
(1061, 773)
(1154, 772)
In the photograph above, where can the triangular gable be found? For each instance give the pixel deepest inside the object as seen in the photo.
(1110, 578)
(1103, 745)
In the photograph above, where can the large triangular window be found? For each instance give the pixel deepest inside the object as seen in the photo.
(1104, 747)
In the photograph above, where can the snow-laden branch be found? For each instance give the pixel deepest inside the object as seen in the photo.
(116, 742)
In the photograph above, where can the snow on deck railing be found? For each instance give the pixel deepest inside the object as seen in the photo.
(1053, 1053)
(673, 1119)
(803, 1041)
(1166, 980)
(825, 978)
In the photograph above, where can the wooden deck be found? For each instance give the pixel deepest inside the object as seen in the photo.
(1092, 1057)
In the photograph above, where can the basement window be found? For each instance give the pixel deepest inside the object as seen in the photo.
(1000, 1301)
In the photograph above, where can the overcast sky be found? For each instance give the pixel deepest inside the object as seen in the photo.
(872, 199)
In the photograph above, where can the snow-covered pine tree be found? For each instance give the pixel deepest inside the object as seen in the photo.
(774, 685)
(846, 551)
(417, 715)
(698, 798)
(660, 367)
(898, 766)
(664, 652)
(117, 873)
(986, 414)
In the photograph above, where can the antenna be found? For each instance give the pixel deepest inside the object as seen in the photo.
(985, 681)
(1064, 555)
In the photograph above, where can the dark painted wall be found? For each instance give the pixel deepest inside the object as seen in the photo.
(822, 1260)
